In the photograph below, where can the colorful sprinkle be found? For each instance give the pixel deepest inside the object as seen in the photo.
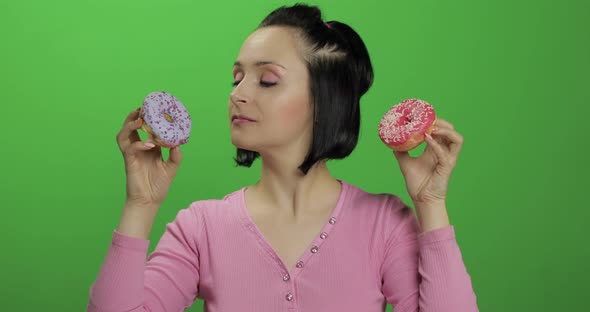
(168, 118)
(404, 120)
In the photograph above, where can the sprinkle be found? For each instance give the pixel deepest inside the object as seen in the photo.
(173, 130)
(404, 120)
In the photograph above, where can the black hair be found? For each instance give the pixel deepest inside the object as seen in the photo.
(340, 73)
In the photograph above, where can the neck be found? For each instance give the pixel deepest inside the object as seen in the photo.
(285, 188)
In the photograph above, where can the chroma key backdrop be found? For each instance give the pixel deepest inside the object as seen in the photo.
(511, 76)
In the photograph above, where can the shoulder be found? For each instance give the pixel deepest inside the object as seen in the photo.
(378, 202)
(209, 214)
(212, 206)
(386, 209)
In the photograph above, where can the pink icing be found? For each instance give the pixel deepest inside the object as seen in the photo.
(405, 119)
(156, 106)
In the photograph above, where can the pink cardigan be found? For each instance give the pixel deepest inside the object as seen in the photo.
(370, 252)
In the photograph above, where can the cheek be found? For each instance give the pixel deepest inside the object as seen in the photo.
(294, 111)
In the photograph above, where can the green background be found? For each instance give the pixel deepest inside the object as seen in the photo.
(510, 75)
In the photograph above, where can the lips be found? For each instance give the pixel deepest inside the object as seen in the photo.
(242, 117)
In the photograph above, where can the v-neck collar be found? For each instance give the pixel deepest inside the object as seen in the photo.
(313, 249)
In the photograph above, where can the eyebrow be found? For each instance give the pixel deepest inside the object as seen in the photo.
(260, 63)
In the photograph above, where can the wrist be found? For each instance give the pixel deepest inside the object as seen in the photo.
(431, 205)
(432, 215)
(141, 206)
(137, 221)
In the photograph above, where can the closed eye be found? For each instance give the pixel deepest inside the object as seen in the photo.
(267, 84)
(264, 84)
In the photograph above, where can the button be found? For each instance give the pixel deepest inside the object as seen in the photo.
(289, 297)
(324, 235)
(332, 220)
(314, 249)
(286, 277)
(299, 264)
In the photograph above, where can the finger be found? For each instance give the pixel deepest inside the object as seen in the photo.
(454, 139)
(138, 147)
(403, 160)
(175, 157)
(429, 152)
(128, 133)
(402, 157)
(441, 123)
(157, 152)
(441, 154)
(134, 114)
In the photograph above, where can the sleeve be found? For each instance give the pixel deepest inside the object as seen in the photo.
(167, 281)
(425, 271)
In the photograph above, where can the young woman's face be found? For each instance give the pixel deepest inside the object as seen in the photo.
(271, 93)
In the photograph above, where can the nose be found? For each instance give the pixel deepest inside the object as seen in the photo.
(236, 99)
(238, 96)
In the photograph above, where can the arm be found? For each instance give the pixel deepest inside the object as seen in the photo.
(167, 281)
(424, 271)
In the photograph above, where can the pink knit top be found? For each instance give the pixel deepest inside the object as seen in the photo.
(369, 252)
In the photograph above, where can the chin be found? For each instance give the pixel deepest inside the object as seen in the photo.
(243, 144)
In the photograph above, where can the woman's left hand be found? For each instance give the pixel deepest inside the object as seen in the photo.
(427, 176)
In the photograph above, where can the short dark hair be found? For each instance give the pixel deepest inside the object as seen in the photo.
(340, 73)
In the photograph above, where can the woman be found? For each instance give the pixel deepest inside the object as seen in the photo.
(299, 239)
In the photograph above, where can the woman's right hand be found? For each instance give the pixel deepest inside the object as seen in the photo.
(148, 176)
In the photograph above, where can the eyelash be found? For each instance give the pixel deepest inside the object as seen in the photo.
(263, 83)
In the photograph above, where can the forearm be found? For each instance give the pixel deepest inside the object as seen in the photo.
(445, 285)
(137, 220)
(119, 285)
(432, 216)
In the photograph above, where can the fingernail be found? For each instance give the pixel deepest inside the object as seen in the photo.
(428, 136)
(148, 144)
(139, 121)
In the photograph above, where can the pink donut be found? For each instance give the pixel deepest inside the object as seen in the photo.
(166, 119)
(402, 128)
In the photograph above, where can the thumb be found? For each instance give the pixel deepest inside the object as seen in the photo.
(175, 156)
(402, 157)
(403, 161)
